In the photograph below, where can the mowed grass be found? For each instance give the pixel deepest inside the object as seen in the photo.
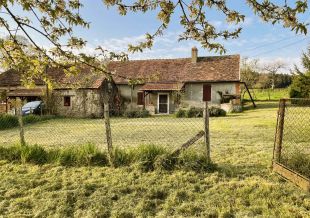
(243, 185)
(267, 94)
(169, 131)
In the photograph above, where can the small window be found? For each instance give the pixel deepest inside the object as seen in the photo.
(67, 101)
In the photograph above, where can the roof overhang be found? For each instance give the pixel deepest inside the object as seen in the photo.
(26, 93)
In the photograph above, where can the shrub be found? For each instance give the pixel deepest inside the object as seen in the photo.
(11, 153)
(123, 157)
(8, 121)
(194, 112)
(237, 109)
(216, 112)
(137, 113)
(33, 154)
(180, 113)
(145, 156)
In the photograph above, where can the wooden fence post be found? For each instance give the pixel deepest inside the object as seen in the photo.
(108, 132)
(20, 122)
(206, 130)
(280, 129)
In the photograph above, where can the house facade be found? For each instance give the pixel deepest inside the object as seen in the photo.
(165, 85)
(161, 86)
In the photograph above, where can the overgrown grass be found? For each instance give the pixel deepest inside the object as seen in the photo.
(10, 121)
(243, 184)
(144, 157)
(298, 161)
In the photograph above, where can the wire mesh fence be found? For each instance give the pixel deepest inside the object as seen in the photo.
(54, 131)
(292, 140)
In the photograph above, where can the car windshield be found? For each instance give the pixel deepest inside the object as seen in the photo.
(32, 104)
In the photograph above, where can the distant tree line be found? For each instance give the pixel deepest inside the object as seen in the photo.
(264, 76)
(269, 76)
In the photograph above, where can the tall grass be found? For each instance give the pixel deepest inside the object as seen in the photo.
(298, 161)
(144, 157)
(8, 121)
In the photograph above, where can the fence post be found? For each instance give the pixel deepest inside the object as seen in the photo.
(206, 129)
(108, 132)
(280, 129)
(20, 122)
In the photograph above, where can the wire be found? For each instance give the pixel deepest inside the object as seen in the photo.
(276, 49)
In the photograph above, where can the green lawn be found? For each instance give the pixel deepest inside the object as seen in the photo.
(244, 185)
(267, 94)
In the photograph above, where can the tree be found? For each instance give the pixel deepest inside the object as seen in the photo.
(300, 87)
(54, 21)
(249, 72)
(272, 69)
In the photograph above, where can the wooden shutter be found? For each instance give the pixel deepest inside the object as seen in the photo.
(206, 96)
(140, 98)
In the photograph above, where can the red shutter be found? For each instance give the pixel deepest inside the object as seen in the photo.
(206, 96)
(140, 98)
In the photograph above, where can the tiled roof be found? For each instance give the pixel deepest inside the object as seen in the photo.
(162, 86)
(25, 92)
(212, 69)
(215, 69)
(85, 79)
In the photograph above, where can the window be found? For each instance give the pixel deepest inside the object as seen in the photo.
(67, 101)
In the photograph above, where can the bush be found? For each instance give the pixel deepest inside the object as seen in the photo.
(194, 112)
(216, 112)
(8, 121)
(145, 156)
(33, 154)
(137, 114)
(180, 113)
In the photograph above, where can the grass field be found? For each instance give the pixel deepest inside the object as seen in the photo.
(243, 186)
(267, 94)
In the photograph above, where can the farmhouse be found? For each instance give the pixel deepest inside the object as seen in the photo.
(160, 86)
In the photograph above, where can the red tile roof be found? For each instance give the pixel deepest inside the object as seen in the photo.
(213, 69)
(26, 92)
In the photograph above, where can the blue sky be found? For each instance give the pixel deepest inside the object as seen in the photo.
(258, 40)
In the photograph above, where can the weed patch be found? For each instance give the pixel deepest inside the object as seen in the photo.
(144, 157)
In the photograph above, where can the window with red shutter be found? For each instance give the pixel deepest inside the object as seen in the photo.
(140, 98)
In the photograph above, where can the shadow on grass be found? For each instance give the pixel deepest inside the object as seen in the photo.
(261, 105)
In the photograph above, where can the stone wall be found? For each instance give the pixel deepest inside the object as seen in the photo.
(83, 103)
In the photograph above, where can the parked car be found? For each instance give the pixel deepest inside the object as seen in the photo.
(33, 107)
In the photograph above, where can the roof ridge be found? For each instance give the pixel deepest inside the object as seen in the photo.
(159, 59)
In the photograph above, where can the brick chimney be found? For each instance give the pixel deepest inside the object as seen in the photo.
(194, 55)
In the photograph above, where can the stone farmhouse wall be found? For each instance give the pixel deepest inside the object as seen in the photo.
(83, 103)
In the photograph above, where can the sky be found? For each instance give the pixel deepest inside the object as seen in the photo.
(258, 40)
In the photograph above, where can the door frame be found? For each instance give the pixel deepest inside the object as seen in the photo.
(168, 101)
